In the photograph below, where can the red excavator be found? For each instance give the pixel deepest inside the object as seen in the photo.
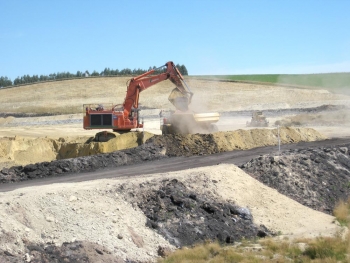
(122, 118)
(126, 117)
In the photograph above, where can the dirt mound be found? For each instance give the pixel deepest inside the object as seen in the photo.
(187, 145)
(317, 178)
(184, 217)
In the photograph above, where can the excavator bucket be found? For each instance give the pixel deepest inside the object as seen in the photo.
(179, 100)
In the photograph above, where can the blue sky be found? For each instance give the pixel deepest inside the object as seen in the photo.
(207, 36)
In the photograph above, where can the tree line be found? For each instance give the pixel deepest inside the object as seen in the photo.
(27, 79)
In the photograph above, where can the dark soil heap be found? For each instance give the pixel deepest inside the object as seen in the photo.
(317, 178)
(186, 145)
(185, 218)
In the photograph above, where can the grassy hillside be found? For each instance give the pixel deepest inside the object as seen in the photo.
(336, 82)
(68, 96)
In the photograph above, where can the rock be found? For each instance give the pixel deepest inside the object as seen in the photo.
(138, 241)
(50, 219)
(27, 257)
(343, 150)
(163, 251)
(72, 198)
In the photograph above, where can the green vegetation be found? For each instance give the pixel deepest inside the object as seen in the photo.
(320, 250)
(332, 81)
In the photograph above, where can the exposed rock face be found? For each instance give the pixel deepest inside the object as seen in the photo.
(317, 178)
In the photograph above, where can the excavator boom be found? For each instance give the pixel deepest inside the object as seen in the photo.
(146, 80)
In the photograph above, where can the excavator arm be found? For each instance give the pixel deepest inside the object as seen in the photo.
(146, 80)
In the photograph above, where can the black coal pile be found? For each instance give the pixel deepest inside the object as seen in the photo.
(317, 178)
(146, 152)
(73, 252)
(186, 218)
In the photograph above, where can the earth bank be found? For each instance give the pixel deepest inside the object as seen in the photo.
(156, 147)
(17, 150)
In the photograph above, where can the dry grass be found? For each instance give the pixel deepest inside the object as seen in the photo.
(342, 212)
(323, 250)
(68, 96)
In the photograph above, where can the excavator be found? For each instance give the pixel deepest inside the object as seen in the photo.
(125, 117)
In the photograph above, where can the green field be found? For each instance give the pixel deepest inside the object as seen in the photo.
(336, 82)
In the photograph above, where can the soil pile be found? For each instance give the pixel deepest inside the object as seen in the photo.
(193, 144)
(185, 217)
(317, 178)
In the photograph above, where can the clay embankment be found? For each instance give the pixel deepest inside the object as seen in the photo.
(156, 147)
(23, 151)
